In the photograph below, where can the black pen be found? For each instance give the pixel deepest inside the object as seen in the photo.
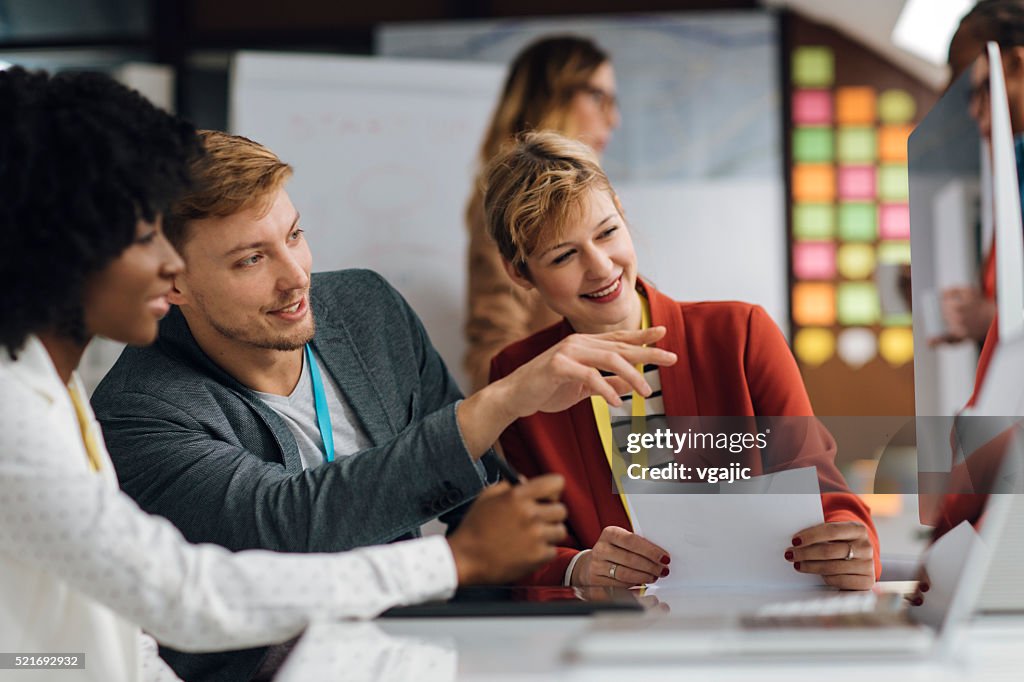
(506, 470)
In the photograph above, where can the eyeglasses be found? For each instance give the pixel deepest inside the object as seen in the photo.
(602, 99)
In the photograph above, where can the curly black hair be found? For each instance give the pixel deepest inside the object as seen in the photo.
(998, 20)
(82, 159)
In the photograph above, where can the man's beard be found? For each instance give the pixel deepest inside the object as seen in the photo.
(244, 335)
(283, 343)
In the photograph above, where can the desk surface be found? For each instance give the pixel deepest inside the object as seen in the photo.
(478, 649)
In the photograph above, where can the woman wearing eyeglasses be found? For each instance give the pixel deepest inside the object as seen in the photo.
(560, 83)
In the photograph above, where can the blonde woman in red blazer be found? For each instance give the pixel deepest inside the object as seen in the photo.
(561, 232)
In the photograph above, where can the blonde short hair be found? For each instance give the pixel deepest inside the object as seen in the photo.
(233, 174)
(534, 188)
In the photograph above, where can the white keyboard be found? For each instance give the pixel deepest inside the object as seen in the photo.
(840, 604)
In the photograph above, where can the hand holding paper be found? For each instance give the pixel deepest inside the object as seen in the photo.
(735, 538)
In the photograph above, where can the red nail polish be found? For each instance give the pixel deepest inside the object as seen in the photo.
(664, 572)
(925, 587)
(796, 542)
(665, 559)
(797, 565)
(789, 555)
(917, 601)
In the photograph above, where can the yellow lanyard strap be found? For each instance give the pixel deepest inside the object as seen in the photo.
(86, 426)
(603, 419)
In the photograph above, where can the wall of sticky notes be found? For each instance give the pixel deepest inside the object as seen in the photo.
(850, 114)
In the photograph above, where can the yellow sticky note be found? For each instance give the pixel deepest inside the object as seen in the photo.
(813, 345)
(896, 345)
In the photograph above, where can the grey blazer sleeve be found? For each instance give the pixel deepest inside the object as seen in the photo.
(216, 491)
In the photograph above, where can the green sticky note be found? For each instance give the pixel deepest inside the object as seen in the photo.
(858, 221)
(896, 106)
(857, 145)
(857, 303)
(894, 252)
(893, 183)
(898, 320)
(814, 221)
(812, 145)
(813, 67)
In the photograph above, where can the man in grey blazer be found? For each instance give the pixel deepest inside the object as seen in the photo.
(225, 424)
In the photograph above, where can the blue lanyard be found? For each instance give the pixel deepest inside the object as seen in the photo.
(323, 414)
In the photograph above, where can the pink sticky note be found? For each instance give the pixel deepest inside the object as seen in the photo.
(812, 107)
(856, 182)
(894, 221)
(814, 260)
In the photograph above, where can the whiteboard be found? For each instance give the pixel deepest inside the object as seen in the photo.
(384, 155)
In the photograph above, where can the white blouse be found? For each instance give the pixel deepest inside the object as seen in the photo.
(83, 567)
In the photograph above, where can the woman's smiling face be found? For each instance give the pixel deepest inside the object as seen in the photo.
(589, 275)
(126, 299)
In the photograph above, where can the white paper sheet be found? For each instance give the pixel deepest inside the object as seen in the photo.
(945, 562)
(732, 540)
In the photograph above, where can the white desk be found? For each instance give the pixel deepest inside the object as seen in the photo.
(488, 649)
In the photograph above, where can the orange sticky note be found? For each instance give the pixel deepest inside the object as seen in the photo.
(855, 105)
(814, 303)
(892, 142)
(814, 182)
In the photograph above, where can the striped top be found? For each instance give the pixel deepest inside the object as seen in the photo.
(654, 411)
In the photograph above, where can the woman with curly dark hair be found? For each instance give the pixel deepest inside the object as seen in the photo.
(87, 168)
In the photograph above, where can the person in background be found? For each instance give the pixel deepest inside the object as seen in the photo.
(89, 167)
(561, 83)
(969, 311)
(561, 232)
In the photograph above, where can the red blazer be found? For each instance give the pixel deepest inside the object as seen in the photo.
(732, 361)
(988, 349)
(971, 480)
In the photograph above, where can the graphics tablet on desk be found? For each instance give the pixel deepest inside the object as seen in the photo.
(475, 602)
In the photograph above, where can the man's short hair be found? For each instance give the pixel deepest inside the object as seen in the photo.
(534, 188)
(235, 174)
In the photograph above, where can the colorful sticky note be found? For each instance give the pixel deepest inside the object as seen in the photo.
(896, 345)
(894, 221)
(812, 107)
(814, 221)
(896, 106)
(814, 260)
(857, 303)
(858, 221)
(812, 145)
(894, 252)
(855, 106)
(814, 304)
(856, 261)
(813, 66)
(813, 345)
(857, 347)
(892, 143)
(813, 182)
(856, 145)
(856, 182)
(893, 183)
(897, 320)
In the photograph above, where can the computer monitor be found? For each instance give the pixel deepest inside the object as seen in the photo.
(949, 228)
